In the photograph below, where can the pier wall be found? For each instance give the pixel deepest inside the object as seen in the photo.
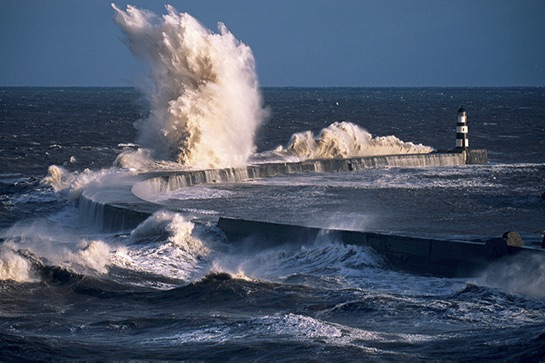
(123, 207)
(451, 258)
(477, 156)
(108, 208)
(170, 181)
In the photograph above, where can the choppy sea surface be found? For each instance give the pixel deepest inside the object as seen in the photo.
(173, 290)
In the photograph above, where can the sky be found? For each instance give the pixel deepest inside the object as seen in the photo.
(307, 43)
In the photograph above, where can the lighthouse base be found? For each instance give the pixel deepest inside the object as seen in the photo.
(476, 156)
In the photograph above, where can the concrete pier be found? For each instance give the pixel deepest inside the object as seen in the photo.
(450, 258)
(123, 206)
(170, 181)
(128, 202)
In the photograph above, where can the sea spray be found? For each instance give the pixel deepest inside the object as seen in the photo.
(164, 245)
(14, 266)
(344, 140)
(205, 101)
(323, 256)
(519, 274)
(69, 183)
(54, 245)
(94, 255)
(166, 225)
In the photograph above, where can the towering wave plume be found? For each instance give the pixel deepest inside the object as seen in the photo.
(205, 103)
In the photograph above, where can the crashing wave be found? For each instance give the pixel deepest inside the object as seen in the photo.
(345, 140)
(205, 100)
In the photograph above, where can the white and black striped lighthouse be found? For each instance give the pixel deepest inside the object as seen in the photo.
(462, 141)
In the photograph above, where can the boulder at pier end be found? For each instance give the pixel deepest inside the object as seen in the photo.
(498, 247)
(512, 238)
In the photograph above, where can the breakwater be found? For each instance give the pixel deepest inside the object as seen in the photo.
(170, 181)
(451, 258)
(129, 201)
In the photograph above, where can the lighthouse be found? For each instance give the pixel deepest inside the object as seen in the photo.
(462, 142)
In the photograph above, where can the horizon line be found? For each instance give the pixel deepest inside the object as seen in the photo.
(286, 86)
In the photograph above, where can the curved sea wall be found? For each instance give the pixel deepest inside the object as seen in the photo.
(127, 203)
(170, 181)
(124, 206)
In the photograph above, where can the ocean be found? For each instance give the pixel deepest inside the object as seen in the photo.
(175, 290)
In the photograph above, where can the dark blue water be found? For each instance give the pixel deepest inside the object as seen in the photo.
(172, 290)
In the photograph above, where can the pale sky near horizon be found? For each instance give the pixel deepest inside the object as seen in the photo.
(368, 43)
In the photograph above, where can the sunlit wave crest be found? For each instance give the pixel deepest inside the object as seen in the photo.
(346, 140)
(205, 101)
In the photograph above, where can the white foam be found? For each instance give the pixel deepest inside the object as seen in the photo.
(205, 99)
(164, 245)
(344, 140)
(191, 193)
(59, 245)
(13, 266)
(297, 326)
(326, 256)
(71, 184)
(93, 255)
(292, 327)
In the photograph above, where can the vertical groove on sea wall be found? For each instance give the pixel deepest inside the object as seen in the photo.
(91, 212)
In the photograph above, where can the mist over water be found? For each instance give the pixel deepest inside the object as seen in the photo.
(205, 101)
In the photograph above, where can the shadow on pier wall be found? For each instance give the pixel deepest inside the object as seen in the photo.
(447, 258)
